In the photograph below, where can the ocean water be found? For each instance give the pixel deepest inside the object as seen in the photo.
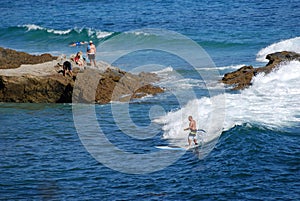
(250, 150)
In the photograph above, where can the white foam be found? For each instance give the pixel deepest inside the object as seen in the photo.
(292, 44)
(203, 110)
(165, 70)
(271, 102)
(103, 34)
(231, 67)
(171, 79)
(156, 33)
(59, 32)
(139, 33)
(31, 27)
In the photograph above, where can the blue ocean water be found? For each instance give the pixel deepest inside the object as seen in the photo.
(256, 154)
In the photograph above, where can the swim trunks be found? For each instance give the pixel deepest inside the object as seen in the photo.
(91, 56)
(193, 135)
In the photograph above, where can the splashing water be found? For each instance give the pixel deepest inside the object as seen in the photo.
(292, 44)
(271, 102)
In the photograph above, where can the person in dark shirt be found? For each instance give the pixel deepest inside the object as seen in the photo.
(67, 67)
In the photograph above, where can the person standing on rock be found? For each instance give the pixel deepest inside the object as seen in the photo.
(91, 53)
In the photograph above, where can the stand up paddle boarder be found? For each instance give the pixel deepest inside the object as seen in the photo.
(193, 131)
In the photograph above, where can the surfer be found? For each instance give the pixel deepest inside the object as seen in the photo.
(193, 131)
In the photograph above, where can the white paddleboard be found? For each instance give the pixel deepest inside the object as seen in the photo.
(177, 148)
(200, 132)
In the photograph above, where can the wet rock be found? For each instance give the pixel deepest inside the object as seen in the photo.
(242, 77)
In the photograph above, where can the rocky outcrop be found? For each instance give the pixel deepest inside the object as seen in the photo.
(43, 83)
(242, 77)
(14, 59)
(113, 85)
(35, 89)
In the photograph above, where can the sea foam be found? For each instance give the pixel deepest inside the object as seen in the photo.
(90, 32)
(32, 27)
(292, 44)
(271, 102)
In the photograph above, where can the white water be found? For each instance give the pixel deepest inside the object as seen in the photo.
(273, 102)
(36, 27)
(292, 44)
(231, 67)
(100, 34)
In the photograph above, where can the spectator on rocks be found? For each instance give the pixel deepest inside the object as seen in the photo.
(91, 53)
(78, 59)
(67, 67)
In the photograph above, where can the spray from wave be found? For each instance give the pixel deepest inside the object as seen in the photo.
(78, 32)
(272, 102)
(292, 44)
(33, 27)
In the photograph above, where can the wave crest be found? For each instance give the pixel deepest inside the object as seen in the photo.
(86, 32)
(292, 44)
(271, 102)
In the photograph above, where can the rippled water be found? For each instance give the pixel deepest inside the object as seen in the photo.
(42, 157)
(254, 157)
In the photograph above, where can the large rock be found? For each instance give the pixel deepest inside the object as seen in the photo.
(14, 59)
(42, 83)
(35, 89)
(113, 85)
(242, 77)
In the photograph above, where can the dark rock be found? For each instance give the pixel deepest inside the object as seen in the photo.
(242, 77)
(125, 87)
(14, 59)
(34, 89)
(282, 56)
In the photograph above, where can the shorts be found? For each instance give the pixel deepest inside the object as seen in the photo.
(192, 136)
(91, 56)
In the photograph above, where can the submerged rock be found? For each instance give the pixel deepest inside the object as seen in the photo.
(242, 77)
